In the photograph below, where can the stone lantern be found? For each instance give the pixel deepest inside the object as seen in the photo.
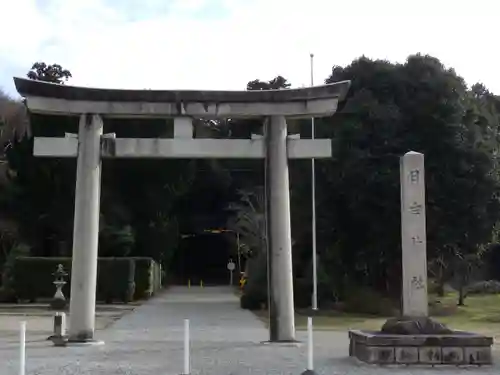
(59, 302)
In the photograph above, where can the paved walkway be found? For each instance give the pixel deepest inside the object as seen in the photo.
(225, 341)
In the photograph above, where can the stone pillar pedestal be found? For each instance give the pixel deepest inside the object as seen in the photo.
(86, 230)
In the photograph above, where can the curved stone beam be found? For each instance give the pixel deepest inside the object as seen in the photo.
(50, 98)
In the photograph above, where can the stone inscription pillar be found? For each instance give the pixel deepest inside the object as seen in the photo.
(280, 228)
(413, 235)
(86, 230)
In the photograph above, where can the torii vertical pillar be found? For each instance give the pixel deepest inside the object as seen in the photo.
(280, 227)
(86, 230)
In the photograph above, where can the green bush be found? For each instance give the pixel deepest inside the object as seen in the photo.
(118, 279)
(484, 287)
(252, 302)
(18, 250)
(115, 279)
(33, 277)
(157, 277)
(302, 292)
(255, 290)
(146, 279)
(7, 295)
(369, 301)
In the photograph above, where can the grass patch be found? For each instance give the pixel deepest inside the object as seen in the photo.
(334, 322)
(480, 314)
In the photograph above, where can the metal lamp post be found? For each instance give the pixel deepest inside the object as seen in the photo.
(313, 204)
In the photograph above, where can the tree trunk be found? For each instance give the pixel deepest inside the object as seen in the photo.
(461, 291)
(461, 296)
(440, 288)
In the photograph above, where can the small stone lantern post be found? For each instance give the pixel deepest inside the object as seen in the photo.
(59, 305)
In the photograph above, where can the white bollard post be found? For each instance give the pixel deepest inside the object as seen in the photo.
(310, 347)
(187, 369)
(22, 348)
(59, 336)
(309, 344)
(60, 324)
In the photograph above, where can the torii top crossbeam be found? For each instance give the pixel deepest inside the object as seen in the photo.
(50, 98)
(43, 98)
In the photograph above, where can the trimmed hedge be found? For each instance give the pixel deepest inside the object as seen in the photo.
(32, 277)
(146, 275)
(115, 279)
(118, 279)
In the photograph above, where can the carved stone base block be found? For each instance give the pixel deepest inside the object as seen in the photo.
(457, 348)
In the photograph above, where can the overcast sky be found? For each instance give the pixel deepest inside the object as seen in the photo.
(222, 44)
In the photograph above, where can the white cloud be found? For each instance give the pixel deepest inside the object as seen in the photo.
(104, 46)
(17, 19)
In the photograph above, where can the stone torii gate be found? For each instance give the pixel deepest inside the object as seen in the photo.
(95, 106)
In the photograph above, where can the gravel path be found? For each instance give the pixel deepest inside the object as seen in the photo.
(225, 340)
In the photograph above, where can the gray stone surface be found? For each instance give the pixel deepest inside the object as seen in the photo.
(430, 354)
(225, 340)
(406, 355)
(27, 87)
(419, 325)
(478, 355)
(413, 235)
(452, 354)
(457, 348)
(457, 338)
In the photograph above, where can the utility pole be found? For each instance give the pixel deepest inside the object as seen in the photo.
(313, 204)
